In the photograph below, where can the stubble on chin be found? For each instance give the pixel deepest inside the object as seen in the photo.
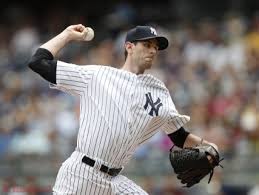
(148, 65)
(144, 66)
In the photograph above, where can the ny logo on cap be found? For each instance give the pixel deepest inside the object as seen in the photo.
(153, 31)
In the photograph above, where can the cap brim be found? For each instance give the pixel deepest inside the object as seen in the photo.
(161, 41)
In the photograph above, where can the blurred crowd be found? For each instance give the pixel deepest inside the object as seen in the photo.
(211, 69)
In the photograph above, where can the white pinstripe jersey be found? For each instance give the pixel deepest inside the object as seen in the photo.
(119, 110)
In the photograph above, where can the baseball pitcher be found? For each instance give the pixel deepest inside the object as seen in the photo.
(120, 109)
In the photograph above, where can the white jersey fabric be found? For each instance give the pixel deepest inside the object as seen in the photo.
(119, 110)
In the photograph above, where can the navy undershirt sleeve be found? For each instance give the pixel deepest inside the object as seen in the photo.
(43, 63)
(178, 137)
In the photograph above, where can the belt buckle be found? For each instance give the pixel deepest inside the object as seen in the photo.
(104, 169)
(109, 171)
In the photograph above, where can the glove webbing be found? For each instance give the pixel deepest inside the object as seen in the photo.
(212, 170)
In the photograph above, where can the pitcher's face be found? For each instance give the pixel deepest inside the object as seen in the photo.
(143, 53)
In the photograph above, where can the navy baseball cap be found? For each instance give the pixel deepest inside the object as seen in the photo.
(142, 33)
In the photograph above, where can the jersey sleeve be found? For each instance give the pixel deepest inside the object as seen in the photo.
(174, 120)
(73, 79)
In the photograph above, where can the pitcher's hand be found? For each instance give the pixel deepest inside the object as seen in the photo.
(76, 32)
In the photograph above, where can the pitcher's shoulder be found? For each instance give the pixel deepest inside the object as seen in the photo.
(152, 81)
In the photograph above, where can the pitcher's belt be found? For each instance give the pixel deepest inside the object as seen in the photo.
(110, 171)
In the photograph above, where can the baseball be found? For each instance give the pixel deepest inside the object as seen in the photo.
(88, 34)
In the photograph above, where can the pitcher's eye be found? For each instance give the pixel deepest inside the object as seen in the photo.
(147, 44)
(150, 44)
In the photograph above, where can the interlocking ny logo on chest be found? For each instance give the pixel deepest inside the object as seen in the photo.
(151, 106)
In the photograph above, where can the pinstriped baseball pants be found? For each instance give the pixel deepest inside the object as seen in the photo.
(77, 178)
